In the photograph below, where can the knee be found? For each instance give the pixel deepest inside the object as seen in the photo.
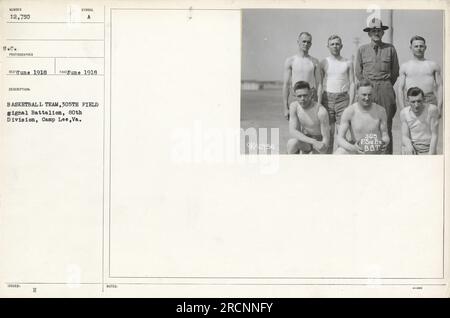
(341, 151)
(292, 146)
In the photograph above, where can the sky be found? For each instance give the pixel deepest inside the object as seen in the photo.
(270, 36)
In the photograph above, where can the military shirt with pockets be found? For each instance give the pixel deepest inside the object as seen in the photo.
(377, 62)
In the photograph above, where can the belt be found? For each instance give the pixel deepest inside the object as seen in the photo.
(380, 80)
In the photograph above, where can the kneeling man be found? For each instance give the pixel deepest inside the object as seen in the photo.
(368, 123)
(420, 125)
(308, 123)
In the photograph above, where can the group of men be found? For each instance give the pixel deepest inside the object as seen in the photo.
(319, 98)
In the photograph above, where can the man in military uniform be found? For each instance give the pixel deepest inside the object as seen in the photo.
(378, 63)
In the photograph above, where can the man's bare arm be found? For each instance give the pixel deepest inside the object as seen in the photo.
(438, 81)
(358, 65)
(318, 80)
(323, 70)
(401, 87)
(383, 128)
(434, 123)
(351, 89)
(286, 86)
(294, 126)
(324, 126)
(342, 132)
(406, 137)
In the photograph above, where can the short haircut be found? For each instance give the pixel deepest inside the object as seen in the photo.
(301, 85)
(334, 36)
(416, 38)
(414, 91)
(364, 83)
(304, 33)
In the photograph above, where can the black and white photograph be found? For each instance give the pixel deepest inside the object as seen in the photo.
(328, 81)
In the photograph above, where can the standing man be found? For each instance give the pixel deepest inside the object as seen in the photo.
(422, 73)
(338, 84)
(420, 125)
(301, 67)
(378, 63)
(308, 123)
(368, 124)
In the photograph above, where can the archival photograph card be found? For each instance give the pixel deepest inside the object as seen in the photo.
(223, 149)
